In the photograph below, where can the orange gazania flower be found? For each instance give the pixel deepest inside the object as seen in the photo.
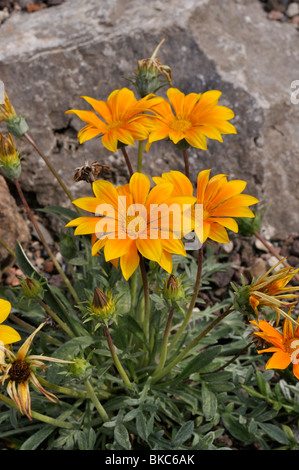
(19, 369)
(122, 118)
(191, 118)
(132, 225)
(8, 335)
(285, 345)
(217, 202)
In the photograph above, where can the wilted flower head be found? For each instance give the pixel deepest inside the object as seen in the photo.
(285, 345)
(147, 76)
(270, 290)
(19, 370)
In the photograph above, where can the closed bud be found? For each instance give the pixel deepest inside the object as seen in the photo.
(10, 162)
(102, 306)
(173, 291)
(250, 226)
(32, 289)
(80, 368)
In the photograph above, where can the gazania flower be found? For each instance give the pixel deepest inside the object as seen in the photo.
(122, 119)
(8, 335)
(9, 157)
(285, 345)
(19, 370)
(271, 290)
(133, 223)
(191, 119)
(218, 202)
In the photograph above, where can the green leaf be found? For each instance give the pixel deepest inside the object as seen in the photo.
(183, 434)
(236, 429)
(141, 426)
(274, 432)
(37, 438)
(67, 214)
(209, 402)
(121, 436)
(199, 362)
(86, 439)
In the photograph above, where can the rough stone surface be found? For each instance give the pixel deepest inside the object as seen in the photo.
(12, 225)
(48, 59)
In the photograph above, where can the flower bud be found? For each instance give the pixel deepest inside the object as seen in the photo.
(102, 306)
(67, 246)
(173, 291)
(32, 289)
(6, 109)
(80, 368)
(9, 158)
(147, 76)
(250, 226)
(17, 125)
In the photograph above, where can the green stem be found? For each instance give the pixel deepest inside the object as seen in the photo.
(46, 246)
(63, 390)
(57, 319)
(146, 297)
(96, 401)
(140, 155)
(116, 360)
(31, 328)
(127, 160)
(193, 300)
(164, 343)
(194, 342)
(51, 168)
(45, 419)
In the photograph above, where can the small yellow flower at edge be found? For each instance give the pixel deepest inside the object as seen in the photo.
(8, 335)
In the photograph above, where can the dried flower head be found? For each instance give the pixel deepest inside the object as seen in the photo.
(19, 370)
(271, 291)
(89, 173)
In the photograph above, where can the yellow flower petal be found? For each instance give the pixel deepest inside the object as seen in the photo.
(8, 335)
(5, 308)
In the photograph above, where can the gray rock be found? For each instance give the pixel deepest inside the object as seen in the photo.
(52, 57)
(292, 10)
(12, 225)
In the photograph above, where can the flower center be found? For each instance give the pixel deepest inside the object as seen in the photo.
(19, 371)
(115, 125)
(180, 125)
(291, 347)
(135, 226)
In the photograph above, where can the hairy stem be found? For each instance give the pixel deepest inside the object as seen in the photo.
(193, 300)
(164, 342)
(146, 296)
(194, 342)
(92, 395)
(115, 358)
